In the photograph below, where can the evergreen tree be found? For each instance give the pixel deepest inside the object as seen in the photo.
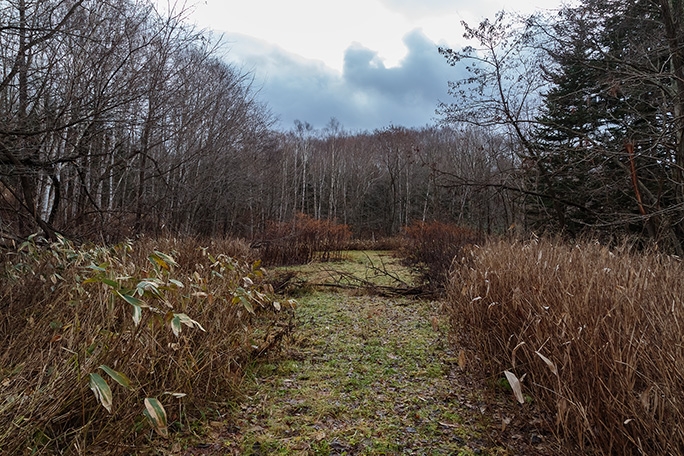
(604, 132)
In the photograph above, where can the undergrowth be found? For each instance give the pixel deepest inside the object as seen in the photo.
(430, 248)
(303, 240)
(594, 334)
(105, 348)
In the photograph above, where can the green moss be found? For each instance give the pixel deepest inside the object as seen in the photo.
(362, 375)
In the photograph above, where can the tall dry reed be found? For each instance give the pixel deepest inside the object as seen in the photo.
(596, 335)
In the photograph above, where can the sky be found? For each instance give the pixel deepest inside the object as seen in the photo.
(367, 63)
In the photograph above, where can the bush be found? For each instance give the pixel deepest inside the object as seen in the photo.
(431, 248)
(395, 243)
(95, 337)
(598, 335)
(302, 240)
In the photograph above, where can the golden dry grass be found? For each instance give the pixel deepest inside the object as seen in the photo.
(595, 334)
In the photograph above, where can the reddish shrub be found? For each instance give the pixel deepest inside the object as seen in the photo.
(432, 246)
(302, 240)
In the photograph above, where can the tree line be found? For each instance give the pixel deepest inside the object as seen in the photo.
(118, 119)
(593, 98)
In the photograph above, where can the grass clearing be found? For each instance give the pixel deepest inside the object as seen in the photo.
(364, 375)
(359, 269)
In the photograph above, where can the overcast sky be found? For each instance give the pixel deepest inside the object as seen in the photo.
(368, 63)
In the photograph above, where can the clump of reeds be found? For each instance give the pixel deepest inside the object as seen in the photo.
(105, 347)
(302, 240)
(431, 247)
(596, 335)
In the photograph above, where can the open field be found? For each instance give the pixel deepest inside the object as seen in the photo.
(358, 269)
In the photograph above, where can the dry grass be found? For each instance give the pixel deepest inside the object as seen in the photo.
(67, 311)
(394, 243)
(596, 334)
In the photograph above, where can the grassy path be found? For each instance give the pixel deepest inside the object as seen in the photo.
(364, 375)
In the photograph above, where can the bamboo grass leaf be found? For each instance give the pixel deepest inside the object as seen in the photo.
(102, 391)
(117, 376)
(155, 413)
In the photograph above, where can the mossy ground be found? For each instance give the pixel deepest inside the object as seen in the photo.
(361, 375)
(365, 375)
(360, 267)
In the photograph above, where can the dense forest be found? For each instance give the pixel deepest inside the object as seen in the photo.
(117, 120)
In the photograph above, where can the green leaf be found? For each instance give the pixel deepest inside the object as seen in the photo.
(247, 305)
(102, 391)
(137, 314)
(150, 285)
(131, 299)
(177, 283)
(156, 414)
(167, 258)
(137, 304)
(176, 325)
(217, 274)
(117, 376)
(158, 262)
(184, 319)
(110, 282)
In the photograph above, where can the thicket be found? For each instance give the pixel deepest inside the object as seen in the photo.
(104, 347)
(303, 240)
(431, 248)
(594, 335)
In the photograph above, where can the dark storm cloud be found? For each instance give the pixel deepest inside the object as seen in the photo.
(366, 95)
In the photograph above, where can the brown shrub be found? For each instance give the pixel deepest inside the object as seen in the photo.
(598, 334)
(394, 243)
(302, 240)
(431, 248)
(65, 312)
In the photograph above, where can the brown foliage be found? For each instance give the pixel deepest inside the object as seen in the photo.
(67, 311)
(431, 247)
(303, 240)
(597, 334)
(383, 243)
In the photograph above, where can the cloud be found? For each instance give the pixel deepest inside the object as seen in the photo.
(424, 8)
(468, 10)
(364, 96)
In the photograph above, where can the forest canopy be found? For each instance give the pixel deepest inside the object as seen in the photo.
(118, 119)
